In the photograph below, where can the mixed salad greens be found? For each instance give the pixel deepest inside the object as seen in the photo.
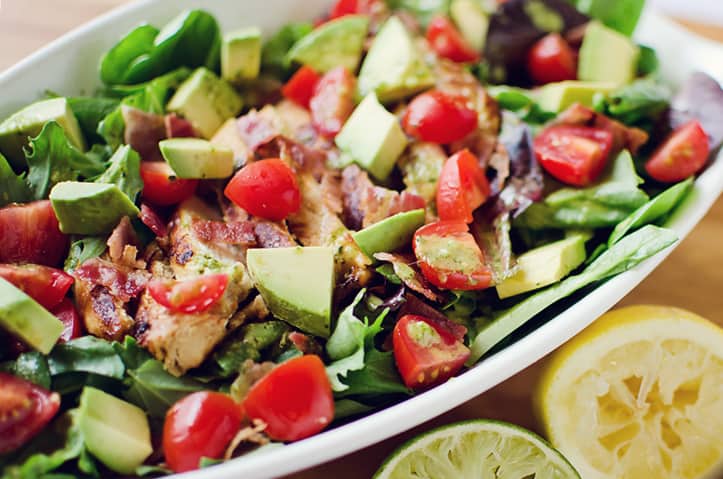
(262, 238)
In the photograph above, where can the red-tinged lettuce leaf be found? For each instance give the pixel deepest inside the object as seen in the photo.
(700, 98)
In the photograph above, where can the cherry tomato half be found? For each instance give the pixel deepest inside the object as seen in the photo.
(48, 286)
(294, 399)
(30, 234)
(575, 155)
(352, 7)
(300, 87)
(190, 296)
(68, 315)
(683, 154)
(426, 354)
(161, 186)
(265, 188)
(333, 101)
(24, 410)
(462, 187)
(201, 424)
(437, 117)
(447, 42)
(551, 59)
(449, 257)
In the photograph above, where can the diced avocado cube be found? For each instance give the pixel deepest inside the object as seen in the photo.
(372, 137)
(607, 56)
(25, 318)
(241, 55)
(390, 234)
(194, 158)
(394, 68)
(471, 20)
(335, 43)
(28, 122)
(114, 431)
(228, 136)
(297, 284)
(544, 265)
(90, 208)
(206, 101)
(555, 97)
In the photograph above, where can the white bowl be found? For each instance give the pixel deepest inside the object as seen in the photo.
(69, 66)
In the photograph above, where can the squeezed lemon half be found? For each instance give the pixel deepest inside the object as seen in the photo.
(637, 395)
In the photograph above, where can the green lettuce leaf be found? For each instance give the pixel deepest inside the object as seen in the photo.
(124, 172)
(13, 188)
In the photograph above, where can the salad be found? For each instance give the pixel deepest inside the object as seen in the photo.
(236, 243)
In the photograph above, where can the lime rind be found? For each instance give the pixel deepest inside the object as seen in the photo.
(477, 449)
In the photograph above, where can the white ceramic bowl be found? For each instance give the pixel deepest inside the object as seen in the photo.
(69, 66)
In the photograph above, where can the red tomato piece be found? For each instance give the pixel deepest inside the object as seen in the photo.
(30, 234)
(447, 42)
(551, 59)
(462, 187)
(24, 410)
(68, 315)
(449, 257)
(201, 424)
(426, 354)
(190, 296)
(575, 155)
(294, 399)
(352, 7)
(437, 117)
(161, 186)
(333, 101)
(265, 188)
(683, 154)
(300, 87)
(48, 286)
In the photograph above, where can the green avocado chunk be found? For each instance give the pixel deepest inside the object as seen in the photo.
(394, 67)
(197, 159)
(114, 431)
(336, 43)
(557, 96)
(471, 20)
(607, 56)
(544, 265)
(372, 137)
(297, 284)
(390, 234)
(90, 208)
(25, 318)
(206, 101)
(241, 55)
(28, 122)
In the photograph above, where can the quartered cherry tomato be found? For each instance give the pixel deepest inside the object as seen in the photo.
(300, 87)
(575, 155)
(48, 286)
(30, 234)
(24, 410)
(551, 59)
(426, 354)
(437, 117)
(68, 315)
(683, 154)
(161, 186)
(353, 7)
(294, 399)
(447, 42)
(333, 101)
(201, 424)
(449, 257)
(462, 187)
(190, 296)
(265, 188)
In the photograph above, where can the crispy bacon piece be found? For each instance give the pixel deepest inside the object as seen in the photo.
(237, 232)
(270, 234)
(258, 127)
(153, 220)
(143, 131)
(410, 276)
(177, 127)
(301, 158)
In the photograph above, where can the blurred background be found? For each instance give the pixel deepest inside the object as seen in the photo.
(705, 11)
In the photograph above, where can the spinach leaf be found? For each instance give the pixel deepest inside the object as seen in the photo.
(13, 188)
(621, 256)
(132, 355)
(647, 61)
(643, 100)
(192, 39)
(124, 172)
(620, 15)
(520, 101)
(654, 209)
(273, 54)
(31, 366)
(52, 158)
(248, 343)
(87, 354)
(378, 376)
(155, 390)
(90, 111)
(344, 408)
(84, 249)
